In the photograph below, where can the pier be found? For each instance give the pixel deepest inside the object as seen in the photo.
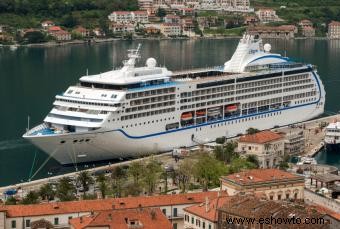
(313, 131)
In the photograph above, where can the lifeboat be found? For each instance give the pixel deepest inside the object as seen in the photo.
(186, 116)
(200, 113)
(231, 108)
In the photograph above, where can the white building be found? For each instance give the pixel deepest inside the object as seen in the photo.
(226, 5)
(267, 15)
(204, 215)
(334, 30)
(169, 29)
(122, 28)
(129, 17)
(266, 145)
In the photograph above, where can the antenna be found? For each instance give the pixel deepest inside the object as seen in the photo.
(87, 71)
(28, 123)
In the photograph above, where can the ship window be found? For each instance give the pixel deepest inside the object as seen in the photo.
(62, 142)
(113, 96)
(74, 141)
(77, 92)
(70, 91)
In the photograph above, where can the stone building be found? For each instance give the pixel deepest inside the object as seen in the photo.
(306, 28)
(272, 184)
(283, 31)
(267, 15)
(294, 143)
(268, 146)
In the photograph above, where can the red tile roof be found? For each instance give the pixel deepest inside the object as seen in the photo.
(334, 23)
(121, 219)
(327, 211)
(259, 176)
(208, 212)
(106, 204)
(261, 137)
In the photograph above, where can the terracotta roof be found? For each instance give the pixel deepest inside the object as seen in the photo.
(259, 176)
(47, 22)
(326, 211)
(209, 213)
(121, 219)
(121, 12)
(61, 32)
(54, 28)
(106, 204)
(81, 29)
(140, 12)
(334, 23)
(261, 137)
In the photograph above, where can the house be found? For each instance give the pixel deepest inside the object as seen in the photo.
(306, 28)
(82, 31)
(170, 18)
(59, 34)
(251, 20)
(152, 30)
(151, 218)
(121, 28)
(267, 15)
(147, 5)
(62, 35)
(129, 17)
(187, 11)
(98, 32)
(169, 29)
(273, 184)
(268, 214)
(47, 24)
(334, 30)
(268, 147)
(204, 215)
(283, 31)
(59, 213)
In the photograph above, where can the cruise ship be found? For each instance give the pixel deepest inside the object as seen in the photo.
(332, 135)
(135, 111)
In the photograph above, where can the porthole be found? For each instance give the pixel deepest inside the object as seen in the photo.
(87, 140)
(81, 140)
(74, 141)
(62, 142)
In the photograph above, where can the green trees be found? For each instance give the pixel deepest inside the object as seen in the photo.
(117, 176)
(65, 189)
(208, 170)
(161, 12)
(35, 37)
(239, 164)
(253, 159)
(151, 175)
(31, 198)
(11, 201)
(226, 152)
(184, 174)
(85, 180)
(46, 192)
(252, 131)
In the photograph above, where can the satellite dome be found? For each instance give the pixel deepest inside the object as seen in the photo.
(151, 63)
(267, 47)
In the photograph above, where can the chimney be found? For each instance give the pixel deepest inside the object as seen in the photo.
(206, 204)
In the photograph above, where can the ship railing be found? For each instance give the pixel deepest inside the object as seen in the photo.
(37, 129)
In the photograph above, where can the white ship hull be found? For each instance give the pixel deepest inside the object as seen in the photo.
(112, 144)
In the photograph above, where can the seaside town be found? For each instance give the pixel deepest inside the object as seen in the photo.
(225, 147)
(164, 19)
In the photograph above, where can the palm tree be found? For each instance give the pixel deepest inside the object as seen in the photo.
(31, 198)
(136, 170)
(85, 180)
(65, 189)
(101, 179)
(46, 192)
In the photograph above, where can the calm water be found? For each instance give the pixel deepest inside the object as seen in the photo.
(31, 77)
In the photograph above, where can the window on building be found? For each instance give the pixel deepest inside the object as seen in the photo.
(174, 225)
(56, 221)
(28, 223)
(14, 224)
(209, 226)
(192, 220)
(279, 197)
(164, 211)
(175, 212)
(203, 225)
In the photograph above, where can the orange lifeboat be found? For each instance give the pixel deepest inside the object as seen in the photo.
(186, 116)
(200, 113)
(231, 108)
